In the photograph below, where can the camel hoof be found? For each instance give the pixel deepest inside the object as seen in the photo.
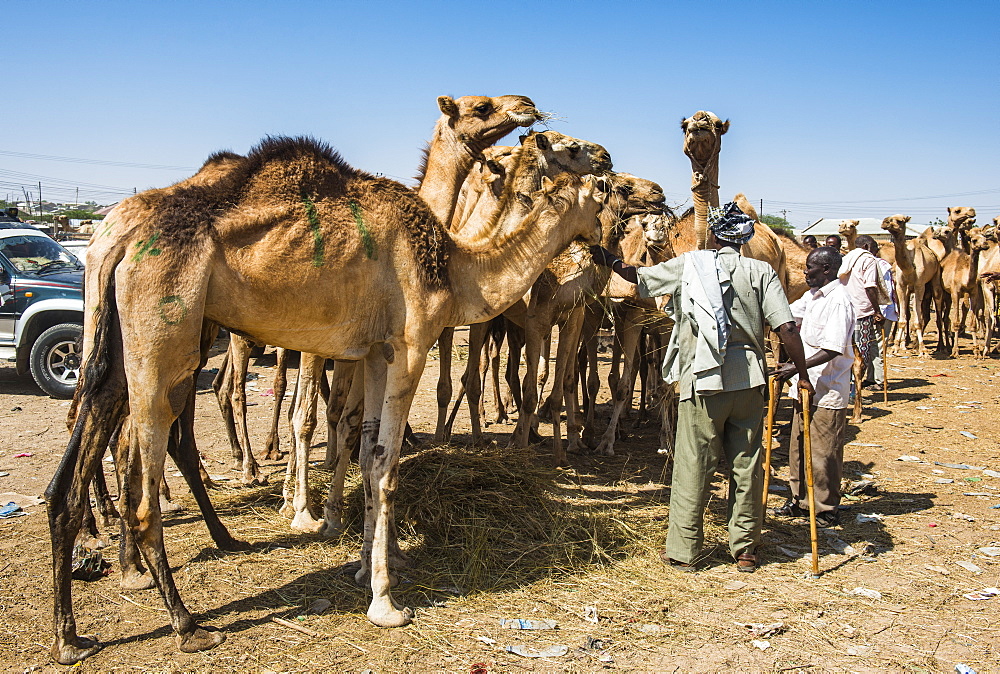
(169, 506)
(305, 522)
(255, 480)
(233, 545)
(361, 578)
(332, 528)
(202, 639)
(80, 648)
(390, 617)
(138, 581)
(605, 449)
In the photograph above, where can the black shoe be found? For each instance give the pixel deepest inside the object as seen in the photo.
(829, 518)
(790, 509)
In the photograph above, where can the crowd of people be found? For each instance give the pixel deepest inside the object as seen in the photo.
(720, 302)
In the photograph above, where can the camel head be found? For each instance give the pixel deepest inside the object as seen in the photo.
(571, 154)
(480, 121)
(848, 228)
(576, 200)
(633, 196)
(655, 229)
(961, 218)
(703, 138)
(896, 224)
(979, 238)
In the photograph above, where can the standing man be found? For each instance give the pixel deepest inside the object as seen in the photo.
(809, 241)
(887, 306)
(834, 241)
(859, 273)
(826, 320)
(719, 301)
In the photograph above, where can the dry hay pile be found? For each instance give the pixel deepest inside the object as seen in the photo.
(489, 518)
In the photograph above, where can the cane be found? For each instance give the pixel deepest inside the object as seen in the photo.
(807, 457)
(773, 389)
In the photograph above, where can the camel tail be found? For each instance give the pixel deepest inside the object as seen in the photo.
(96, 366)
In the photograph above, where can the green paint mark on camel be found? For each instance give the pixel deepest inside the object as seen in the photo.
(172, 309)
(313, 217)
(366, 236)
(146, 248)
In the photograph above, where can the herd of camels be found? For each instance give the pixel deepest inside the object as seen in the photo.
(291, 246)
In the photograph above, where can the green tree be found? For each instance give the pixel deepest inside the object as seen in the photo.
(778, 224)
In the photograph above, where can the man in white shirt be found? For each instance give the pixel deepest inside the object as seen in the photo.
(826, 319)
(887, 305)
(859, 272)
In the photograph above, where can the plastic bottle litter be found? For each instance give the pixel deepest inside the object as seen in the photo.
(989, 551)
(958, 466)
(763, 629)
(981, 595)
(3, 474)
(964, 669)
(969, 435)
(907, 457)
(528, 652)
(963, 516)
(866, 592)
(11, 510)
(871, 517)
(590, 614)
(525, 624)
(943, 480)
(991, 473)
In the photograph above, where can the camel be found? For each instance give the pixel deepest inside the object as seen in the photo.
(917, 270)
(466, 127)
(298, 201)
(960, 280)
(961, 219)
(848, 230)
(989, 268)
(703, 133)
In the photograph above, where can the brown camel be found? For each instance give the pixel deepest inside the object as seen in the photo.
(703, 133)
(916, 270)
(960, 280)
(989, 275)
(961, 219)
(848, 230)
(466, 127)
(295, 200)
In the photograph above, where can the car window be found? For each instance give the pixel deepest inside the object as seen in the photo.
(36, 253)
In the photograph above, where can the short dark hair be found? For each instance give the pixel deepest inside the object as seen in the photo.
(808, 236)
(840, 241)
(827, 256)
(866, 242)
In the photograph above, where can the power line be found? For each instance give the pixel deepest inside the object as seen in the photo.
(98, 162)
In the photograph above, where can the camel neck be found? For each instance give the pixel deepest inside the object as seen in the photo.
(448, 162)
(704, 193)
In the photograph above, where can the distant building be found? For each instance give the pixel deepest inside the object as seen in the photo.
(871, 226)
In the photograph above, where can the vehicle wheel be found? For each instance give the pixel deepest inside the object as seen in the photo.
(55, 359)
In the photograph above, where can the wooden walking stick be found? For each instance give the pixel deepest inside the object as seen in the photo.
(773, 389)
(806, 397)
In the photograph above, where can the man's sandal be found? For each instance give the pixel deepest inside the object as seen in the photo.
(746, 562)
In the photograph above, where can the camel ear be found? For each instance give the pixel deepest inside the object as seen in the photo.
(547, 183)
(722, 127)
(448, 106)
(603, 185)
(494, 166)
(684, 124)
(906, 219)
(524, 199)
(542, 141)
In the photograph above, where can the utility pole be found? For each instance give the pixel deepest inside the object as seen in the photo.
(784, 214)
(39, 198)
(77, 204)
(761, 208)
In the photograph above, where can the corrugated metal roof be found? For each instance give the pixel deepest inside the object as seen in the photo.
(869, 226)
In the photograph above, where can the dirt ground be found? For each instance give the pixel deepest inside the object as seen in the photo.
(914, 560)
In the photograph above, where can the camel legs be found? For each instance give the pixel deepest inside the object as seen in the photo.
(346, 374)
(989, 317)
(444, 389)
(340, 385)
(473, 379)
(230, 388)
(858, 372)
(591, 324)
(101, 412)
(303, 425)
(535, 334)
(279, 386)
(564, 387)
(627, 333)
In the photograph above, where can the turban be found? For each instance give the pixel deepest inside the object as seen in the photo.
(730, 224)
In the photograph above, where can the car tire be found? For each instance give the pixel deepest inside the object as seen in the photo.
(55, 359)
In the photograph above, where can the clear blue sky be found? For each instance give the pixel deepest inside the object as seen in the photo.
(838, 109)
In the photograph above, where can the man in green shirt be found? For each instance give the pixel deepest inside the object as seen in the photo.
(719, 301)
